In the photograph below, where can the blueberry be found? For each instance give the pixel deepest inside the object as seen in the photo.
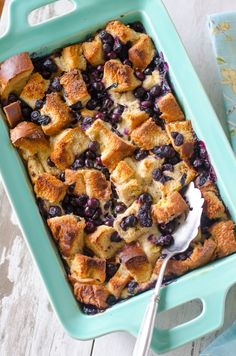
(56, 85)
(100, 68)
(165, 240)
(155, 91)
(77, 106)
(107, 48)
(89, 163)
(93, 146)
(44, 120)
(90, 227)
(137, 26)
(49, 65)
(78, 163)
(178, 138)
(120, 208)
(93, 203)
(89, 309)
(98, 86)
(62, 176)
(144, 215)
(157, 174)
(50, 162)
(128, 221)
(54, 210)
(131, 286)
(87, 122)
(119, 109)
(109, 220)
(115, 237)
(35, 116)
(99, 115)
(105, 36)
(39, 104)
(140, 75)
(168, 167)
(183, 179)
(111, 269)
(139, 92)
(82, 199)
(127, 62)
(146, 104)
(46, 74)
(92, 104)
(145, 198)
(111, 55)
(12, 97)
(90, 154)
(148, 71)
(71, 188)
(167, 228)
(117, 47)
(164, 151)
(140, 154)
(198, 162)
(111, 300)
(115, 118)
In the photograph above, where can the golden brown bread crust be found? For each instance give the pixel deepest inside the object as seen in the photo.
(74, 87)
(28, 137)
(14, 73)
(101, 244)
(123, 32)
(89, 181)
(121, 74)
(92, 294)
(113, 148)
(50, 188)
(71, 58)
(120, 279)
(149, 135)
(136, 262)
(169, 208)
(68, 231)
(224, 236)
(34, 89)
(142, 52)
(87, 269)
(184, 128)
(169, 108)
(93, 51)
(201, 255)
(66, 145)
(13, 113)
(213, 207)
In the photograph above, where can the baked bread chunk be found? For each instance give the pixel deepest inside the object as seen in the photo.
(110, 156)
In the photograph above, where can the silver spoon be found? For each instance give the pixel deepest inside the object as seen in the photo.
(182, 238)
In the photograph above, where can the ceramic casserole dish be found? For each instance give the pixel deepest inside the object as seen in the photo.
(210, 283)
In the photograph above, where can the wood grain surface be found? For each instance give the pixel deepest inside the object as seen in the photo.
(28, 326)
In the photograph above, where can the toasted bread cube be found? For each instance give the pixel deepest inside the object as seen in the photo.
(29, 138)
(58, 112)
(74, 87)
(152, 79)
(100, 242)
(86, 269)
(201, 255)
(119, 281)
(34, 89)
(223, 233)
(213, 206)
(132, 117)
(50, 188)
(68, 231)
(123, 32)
(136, 262)
(121, 74)
(170, 109)
(149, 135)
(13, 113)
(169, 208)
(93, 51)
(71, 58)
(89, 181)
(66, 145)
(113, 148)
(93, 294)
(185, 145)
(142, 52)
(14, 73)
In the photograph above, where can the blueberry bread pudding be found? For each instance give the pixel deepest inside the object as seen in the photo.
(110, 153)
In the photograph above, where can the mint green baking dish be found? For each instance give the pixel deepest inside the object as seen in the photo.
(210, 283)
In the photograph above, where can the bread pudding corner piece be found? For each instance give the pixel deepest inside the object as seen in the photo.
(201, 255)
(182, 137)
(136, 262)
(113, 148)
(119, 281)
(68, 232)
(131, 225)
(149, 135)
(58, 112)
(14, 73)
(121, 74)
(34, 89)
(29, 138)
(223, 233)
(74, 87)
(142, 52)
(93, 51)
(169, 208)
(89, 181)
(92, 294)
(213, 206)
(87, 269)
(71, 58)
(50, 188)
(123, 32)
(66, 145)
(170, 109)
(104, 242)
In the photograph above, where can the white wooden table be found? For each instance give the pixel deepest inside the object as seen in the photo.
(28, 325)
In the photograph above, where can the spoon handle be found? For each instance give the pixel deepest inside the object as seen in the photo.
(144, 337)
